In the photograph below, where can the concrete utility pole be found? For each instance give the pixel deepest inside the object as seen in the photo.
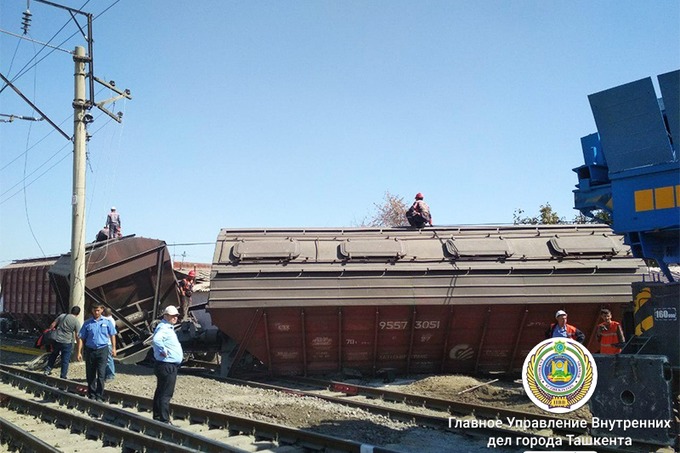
(80, 120)
(77, 296)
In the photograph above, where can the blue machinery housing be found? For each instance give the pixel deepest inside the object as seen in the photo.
(632, 172)
(631, 166)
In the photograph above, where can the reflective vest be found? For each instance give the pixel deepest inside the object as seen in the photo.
(609, 337)
(571, 331)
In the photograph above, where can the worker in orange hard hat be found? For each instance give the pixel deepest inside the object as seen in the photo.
(186, 289)
(418, 214)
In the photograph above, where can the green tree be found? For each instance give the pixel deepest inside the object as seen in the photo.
(546, 216)
(600, 216)
(391, 212)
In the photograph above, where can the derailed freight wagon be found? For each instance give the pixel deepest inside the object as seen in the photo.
(133, 276)
(468, 299)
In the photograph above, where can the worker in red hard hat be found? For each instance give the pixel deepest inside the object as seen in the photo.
(418, 214)
(186, 289)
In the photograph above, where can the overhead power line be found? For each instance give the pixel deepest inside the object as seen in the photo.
(44, 44)
(18, 117)
(35, 107)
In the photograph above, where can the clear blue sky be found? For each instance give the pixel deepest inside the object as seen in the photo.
(303, 113)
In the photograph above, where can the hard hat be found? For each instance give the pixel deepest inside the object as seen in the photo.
(560, 313)
(113, 208)
(171, 310)
(419, 196)
(192, 273)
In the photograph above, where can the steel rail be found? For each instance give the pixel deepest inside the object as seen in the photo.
(120, 425)
(18, 438)
(404, 415)
(215, 420)
(475, 410)
(90, 427)
(291, 435)
(440, 404)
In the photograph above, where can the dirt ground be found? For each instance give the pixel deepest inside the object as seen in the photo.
(502, 393)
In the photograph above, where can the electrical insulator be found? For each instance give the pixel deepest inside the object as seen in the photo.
(26, 21)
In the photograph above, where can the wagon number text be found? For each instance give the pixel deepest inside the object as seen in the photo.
(402, 325)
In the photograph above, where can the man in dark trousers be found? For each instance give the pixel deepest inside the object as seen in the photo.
(113, 223)
(67, 326)
(186, 289)
(94, 336)
(167, 354)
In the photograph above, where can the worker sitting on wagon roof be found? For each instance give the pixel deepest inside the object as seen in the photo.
(419, 213)
(562, 329)
(103, 234)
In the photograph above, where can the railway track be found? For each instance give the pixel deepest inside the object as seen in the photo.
(349, 392)
(437, 413)
(248, 434)
(68, 421)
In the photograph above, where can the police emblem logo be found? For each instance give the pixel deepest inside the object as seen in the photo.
(559, 375)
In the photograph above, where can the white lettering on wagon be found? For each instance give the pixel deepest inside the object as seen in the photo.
(322, 341)
(461, 352)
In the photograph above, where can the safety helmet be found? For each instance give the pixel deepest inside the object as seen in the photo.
(171, 310)
(192, 273)
(113, 208)
(419, 196)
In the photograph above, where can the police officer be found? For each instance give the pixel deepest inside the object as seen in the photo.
(167, 354)
(95, 336)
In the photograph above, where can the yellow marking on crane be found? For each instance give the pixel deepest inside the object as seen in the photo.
(644, 326)
(664, 197)
(644, 200)
(667, 197)
(641, 298)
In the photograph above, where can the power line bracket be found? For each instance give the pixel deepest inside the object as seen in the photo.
(121, 94)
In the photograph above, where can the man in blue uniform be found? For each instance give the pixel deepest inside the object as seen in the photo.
(168, 354)
(94, 336)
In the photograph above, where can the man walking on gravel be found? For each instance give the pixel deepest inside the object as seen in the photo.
(67, 326)
(168, 354)
(95, 335)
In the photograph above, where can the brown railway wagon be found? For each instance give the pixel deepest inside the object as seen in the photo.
(132, 275)
(26, 292)
(439, 300)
